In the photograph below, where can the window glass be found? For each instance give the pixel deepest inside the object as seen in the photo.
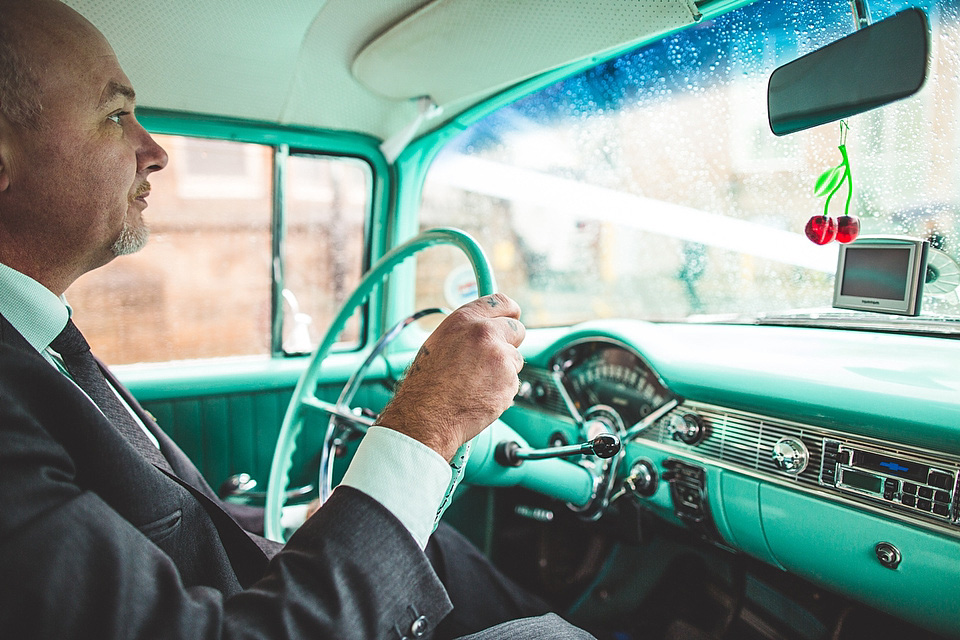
(327, 203)
(652, 187)
(201, 286)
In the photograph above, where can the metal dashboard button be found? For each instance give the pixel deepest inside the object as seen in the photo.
(790, 455)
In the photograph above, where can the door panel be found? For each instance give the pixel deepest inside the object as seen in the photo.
(226, 414)
(226, 433)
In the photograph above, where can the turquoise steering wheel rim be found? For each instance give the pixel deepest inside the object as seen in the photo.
(294, 417)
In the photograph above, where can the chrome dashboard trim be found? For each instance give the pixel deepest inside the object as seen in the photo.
(741, 442)
(564, 396)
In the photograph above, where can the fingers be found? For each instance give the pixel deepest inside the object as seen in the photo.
(507, 312)
(504, 316)
(511, 330)
(494, 305)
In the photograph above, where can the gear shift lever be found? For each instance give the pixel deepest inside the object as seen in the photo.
(510, 454)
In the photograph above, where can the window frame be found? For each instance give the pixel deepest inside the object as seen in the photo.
(286, 141)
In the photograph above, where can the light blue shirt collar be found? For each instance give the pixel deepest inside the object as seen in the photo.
(33, 310)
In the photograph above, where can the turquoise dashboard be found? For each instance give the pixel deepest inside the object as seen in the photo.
(832, 455)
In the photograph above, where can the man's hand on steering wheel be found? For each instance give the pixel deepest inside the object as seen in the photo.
(463, 378)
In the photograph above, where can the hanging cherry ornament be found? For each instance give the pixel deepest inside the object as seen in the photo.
(823, 229)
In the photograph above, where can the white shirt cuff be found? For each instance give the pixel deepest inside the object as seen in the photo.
(404, 475)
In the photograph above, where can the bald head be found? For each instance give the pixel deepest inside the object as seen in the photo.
(32, 33)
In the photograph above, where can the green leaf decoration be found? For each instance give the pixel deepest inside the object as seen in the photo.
(829, 180)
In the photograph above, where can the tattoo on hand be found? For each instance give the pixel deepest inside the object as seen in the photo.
(492, 301)
(513, 324)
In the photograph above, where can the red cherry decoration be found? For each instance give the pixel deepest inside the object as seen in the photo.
(821, 229)
(848, 228)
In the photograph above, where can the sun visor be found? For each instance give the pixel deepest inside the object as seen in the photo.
(451, 49)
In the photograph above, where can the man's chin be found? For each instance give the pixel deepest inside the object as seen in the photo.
(132, 238)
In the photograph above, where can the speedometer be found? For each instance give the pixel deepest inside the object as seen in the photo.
(606, 373)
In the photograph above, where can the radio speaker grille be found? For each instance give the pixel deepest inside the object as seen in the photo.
(745, 439)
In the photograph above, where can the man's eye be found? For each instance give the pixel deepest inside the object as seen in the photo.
(118, 116)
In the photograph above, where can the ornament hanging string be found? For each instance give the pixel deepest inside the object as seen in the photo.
(832, 179)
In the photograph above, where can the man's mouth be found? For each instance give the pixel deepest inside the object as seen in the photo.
(142, 192)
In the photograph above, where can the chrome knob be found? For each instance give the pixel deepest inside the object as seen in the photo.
(525, 391)
(790, 455)
(237, 484)
(888, 555)
(688, 428)
(642, 480)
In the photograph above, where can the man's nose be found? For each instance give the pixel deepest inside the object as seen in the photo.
(150, 155)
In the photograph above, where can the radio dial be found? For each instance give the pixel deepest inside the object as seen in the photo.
(790, 455)
(687, 428)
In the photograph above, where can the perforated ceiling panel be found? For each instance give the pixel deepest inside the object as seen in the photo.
(353, 65)
(456, 48)
(204, 56)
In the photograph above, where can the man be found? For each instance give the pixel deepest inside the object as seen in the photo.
(106, 529)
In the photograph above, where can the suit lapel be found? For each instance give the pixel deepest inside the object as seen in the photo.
(247, 558)
(181, 464)
(11, 337)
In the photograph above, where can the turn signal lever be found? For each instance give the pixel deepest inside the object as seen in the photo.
(511, 454)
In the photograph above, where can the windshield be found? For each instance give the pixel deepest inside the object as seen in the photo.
(651, 186)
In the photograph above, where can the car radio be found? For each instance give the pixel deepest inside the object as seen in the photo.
(898, 480)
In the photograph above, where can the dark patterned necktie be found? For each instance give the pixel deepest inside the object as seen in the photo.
(85, 371)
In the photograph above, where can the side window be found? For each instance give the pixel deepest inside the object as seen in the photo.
(202, 286)
(327, 203)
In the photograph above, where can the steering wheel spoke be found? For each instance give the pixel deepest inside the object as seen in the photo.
(343, 412)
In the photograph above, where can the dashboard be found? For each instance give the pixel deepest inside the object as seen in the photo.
(833, 455)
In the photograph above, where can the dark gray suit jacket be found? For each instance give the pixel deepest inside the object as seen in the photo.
(96, 542)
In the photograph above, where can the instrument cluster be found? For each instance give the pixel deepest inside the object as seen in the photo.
(595, 373)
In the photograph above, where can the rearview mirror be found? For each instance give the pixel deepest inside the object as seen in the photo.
(874, 66)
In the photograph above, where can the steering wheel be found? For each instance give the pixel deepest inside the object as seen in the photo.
(305, 400)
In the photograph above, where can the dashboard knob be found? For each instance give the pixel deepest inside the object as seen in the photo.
(688, 428)
(525, 391)
(642, 480)
(790, 455)
(888, 555)
(606, 445)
